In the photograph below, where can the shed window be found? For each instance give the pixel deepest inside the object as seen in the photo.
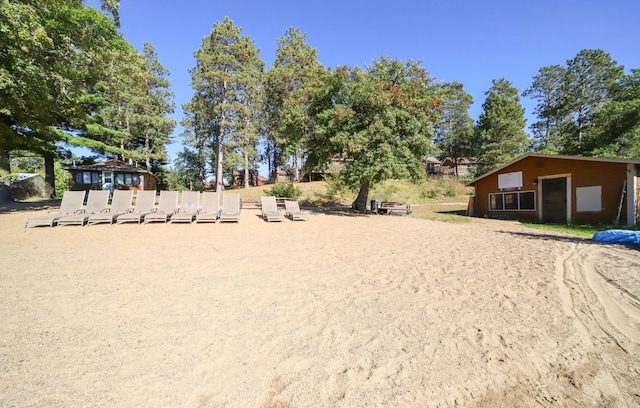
(496, 201)
(527, 200)
(511, 201)
(521, 200)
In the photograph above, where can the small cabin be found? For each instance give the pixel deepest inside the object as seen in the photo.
(433, 166)
(560, 190)
(460, 166)
(110, 175)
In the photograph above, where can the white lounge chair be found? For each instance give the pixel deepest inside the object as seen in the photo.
(120, 204)
(210, 211)
(189, 204)
(230, 208)
(270, 211)
(71, 204)
(292, 211)
(96, 203)
(145, 202)
(167, 206)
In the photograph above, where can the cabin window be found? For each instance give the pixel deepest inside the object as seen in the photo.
(512, 201)
(127, 179)
(86, 177)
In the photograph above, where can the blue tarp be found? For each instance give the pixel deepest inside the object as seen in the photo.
(621, 236)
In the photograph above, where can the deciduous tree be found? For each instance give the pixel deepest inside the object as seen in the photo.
(378, 120)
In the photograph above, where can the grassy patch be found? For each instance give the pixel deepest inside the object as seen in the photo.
(583, 231)
(454, 212)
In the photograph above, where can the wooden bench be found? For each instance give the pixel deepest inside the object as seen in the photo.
(394, 207)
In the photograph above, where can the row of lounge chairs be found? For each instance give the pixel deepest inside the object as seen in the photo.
(97, 210)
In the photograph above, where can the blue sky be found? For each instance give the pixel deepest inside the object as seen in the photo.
(471, 42)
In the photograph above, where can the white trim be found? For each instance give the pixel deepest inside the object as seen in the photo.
(568, 192)
(632, 202)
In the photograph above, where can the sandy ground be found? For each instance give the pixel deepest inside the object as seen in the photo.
(339, 311)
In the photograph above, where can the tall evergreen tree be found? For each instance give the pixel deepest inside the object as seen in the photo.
(150, 123)
(589, 77)
(546, 88)
(568, 97)
(616, 126)
(499, 131)
(226, 78)
(288, 85)
(454, 131)
(197, 137)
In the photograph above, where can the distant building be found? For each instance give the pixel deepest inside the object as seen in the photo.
(433, 166)
(465, 166)
(112, 175)
(255, 179)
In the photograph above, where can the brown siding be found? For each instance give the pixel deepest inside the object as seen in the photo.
(583, 174)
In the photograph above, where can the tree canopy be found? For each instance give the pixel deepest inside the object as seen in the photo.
(500, 134)
(587, 107)
(377, 121)
(64, 66)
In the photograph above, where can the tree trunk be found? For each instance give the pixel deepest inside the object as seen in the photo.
(5, 160)
(219, 157)
(246, 172)
(360, 204)
(147, 159)
(294, 167)
(49, 175)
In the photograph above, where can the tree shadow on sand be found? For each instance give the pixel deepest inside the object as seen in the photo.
(24, 206)
(336, 210)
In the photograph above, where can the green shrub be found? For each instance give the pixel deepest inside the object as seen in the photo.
(335, 187)
(450, 191)
(284, 189)
(430, 193)
(6, 177)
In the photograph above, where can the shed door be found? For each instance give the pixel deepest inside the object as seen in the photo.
(554, 200)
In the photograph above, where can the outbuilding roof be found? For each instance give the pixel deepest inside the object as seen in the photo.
(553, 156)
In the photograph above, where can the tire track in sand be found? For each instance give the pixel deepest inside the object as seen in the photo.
(600, 289)
(600, 286)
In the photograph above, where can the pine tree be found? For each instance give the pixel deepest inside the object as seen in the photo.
(226, 79)
(288, 87)
(150, 123)
(546, 88)
(499, 131)
(586, 88)
(454, 131)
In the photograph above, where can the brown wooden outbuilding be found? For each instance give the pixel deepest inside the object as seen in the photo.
(560, 190)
